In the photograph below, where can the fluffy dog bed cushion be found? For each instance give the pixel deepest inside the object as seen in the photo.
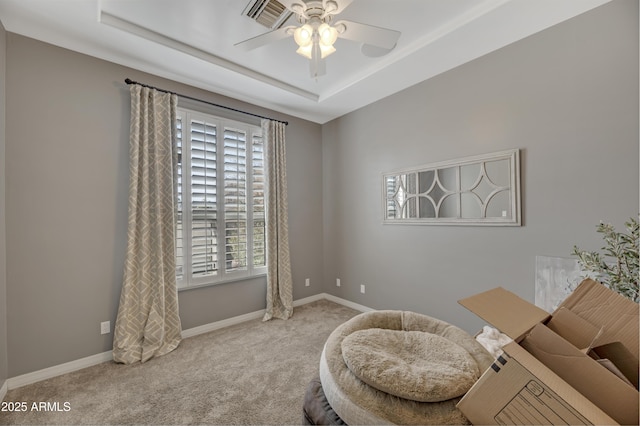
(358, 403)
(415, 365)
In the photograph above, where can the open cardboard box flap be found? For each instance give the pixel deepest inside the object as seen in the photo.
(579, 332)
(626, 365)
(592, 322)
(507, 312)
(617, 315)
(606, 390)
(592, 302)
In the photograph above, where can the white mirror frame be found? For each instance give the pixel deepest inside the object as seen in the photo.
(400, 187)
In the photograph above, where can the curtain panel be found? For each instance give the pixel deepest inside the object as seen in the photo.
(148, 323)
(279, 282)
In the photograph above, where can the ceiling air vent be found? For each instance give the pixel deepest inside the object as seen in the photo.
(270, 13)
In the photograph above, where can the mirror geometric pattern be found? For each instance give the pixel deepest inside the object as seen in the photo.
(476, 190)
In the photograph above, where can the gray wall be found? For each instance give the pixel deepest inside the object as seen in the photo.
(66, 198)
(3, 233)
(567, 97)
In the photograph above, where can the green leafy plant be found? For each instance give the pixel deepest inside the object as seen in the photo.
(617, 266)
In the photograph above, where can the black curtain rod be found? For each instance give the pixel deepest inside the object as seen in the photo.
(129, 81)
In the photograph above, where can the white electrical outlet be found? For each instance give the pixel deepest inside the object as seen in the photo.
(307, 282)
(105, 327)
(362, 288)
(337, 282)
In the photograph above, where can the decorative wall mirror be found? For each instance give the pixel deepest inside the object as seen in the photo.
(479, 190)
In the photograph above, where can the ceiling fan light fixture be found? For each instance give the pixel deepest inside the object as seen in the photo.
(315, 40)
(306, 51)
(328, 34)
(317, 32)
(326, 50)
(303, 35)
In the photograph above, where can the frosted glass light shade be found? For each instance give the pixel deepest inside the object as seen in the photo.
(305, 50)
(326, 50)
(314, 40)
(303, 35)
(328, 34)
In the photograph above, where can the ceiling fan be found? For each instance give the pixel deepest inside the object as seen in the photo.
(316, 33)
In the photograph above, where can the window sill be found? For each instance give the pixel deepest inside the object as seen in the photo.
(226, 281)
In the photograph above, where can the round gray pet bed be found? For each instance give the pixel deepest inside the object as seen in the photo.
(399, 367)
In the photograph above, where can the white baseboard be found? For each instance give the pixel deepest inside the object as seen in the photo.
(309, 299)
(57, 370)
(190, 332)
(206, 328)
(68, 367)
(347, 303)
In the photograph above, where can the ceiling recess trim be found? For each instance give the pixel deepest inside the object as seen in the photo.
(135, 29)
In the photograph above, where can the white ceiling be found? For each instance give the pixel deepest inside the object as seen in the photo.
(192, 41)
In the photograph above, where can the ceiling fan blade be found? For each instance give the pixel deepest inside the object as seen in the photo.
(265, 38)
(373, 51)
(368, 34)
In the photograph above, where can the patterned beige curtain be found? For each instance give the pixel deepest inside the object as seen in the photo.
(279, 282)
(148, 324)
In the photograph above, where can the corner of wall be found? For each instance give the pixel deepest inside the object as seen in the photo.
(3, 251)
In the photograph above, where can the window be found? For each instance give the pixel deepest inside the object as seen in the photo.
(220, 211)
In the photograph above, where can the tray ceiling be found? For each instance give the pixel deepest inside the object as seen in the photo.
(192, 41)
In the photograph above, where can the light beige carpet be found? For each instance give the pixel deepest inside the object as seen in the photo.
(250, 373)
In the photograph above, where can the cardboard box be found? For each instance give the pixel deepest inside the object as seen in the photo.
(576, 366)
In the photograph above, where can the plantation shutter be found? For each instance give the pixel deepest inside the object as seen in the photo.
(180, 255)
(219, 238)
(204, 245)
(259, 226)
(235, 199)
